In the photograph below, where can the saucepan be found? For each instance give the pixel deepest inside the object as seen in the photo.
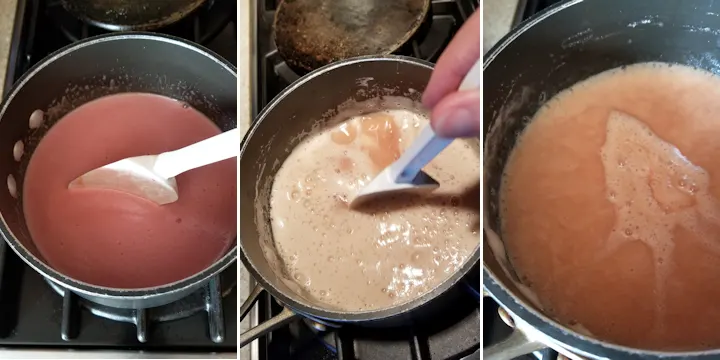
(85, 71)
(546, 54)
(271, 138)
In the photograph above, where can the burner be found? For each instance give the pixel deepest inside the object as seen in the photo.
(208, 298)
(439, 343)
(201, 26)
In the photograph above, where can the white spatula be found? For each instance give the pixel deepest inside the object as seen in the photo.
(405, 174)
(153, 176)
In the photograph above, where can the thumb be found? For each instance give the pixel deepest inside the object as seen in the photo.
(457, 115)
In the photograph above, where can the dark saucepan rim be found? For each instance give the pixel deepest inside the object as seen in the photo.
(566, 337)
(337, 316)
(79, 286)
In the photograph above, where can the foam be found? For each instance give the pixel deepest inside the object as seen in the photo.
(388, 252)
(609, 210)
(654, 189)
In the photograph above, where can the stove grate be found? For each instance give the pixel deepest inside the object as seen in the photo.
(208, 299)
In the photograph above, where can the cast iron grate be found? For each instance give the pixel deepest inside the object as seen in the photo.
(208, 299)
(32, 313)
(453, 334)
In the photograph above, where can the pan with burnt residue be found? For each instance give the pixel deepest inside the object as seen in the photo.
(313, 33)
(123, 15)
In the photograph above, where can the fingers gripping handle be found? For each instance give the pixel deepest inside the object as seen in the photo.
(428, 145)
(423, 149)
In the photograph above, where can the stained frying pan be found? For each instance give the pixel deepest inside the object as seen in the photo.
(123, 15)
(313, 33)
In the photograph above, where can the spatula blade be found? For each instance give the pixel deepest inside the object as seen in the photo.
(384, 183)
(133, 176)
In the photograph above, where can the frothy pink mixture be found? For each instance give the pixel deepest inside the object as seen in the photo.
(611, 211)
(113, 239)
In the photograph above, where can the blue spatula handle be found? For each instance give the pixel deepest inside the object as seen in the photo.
(422, 150)
(428, 145)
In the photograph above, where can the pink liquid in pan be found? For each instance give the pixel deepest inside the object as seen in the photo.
(113, 239)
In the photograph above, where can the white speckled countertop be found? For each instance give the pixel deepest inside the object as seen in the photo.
(246, 37)
(498, 18)
(246, 54)
(7, 20)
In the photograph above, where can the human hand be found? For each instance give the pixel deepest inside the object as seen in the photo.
(456, 113)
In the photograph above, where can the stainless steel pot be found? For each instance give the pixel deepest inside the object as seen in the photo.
(88, 70)
(268, 143)
(546, 54)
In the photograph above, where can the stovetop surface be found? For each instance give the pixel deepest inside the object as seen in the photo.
(453, 335)
(494, 329)
(32, 314)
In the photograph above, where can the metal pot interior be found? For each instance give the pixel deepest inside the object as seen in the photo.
(298, 111)
(549, 53)
(86, 71)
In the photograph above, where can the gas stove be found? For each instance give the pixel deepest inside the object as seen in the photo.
(38, 319)
(455, 334)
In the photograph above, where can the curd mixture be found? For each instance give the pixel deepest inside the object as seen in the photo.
(113, 239)
(395, 248)
(610, 210)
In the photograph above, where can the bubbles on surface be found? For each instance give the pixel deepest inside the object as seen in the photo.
(302, 279)
(294, 195)
(356, 253)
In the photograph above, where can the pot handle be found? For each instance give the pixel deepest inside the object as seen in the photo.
(516, 345)
(253, 333)
(250, 301)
